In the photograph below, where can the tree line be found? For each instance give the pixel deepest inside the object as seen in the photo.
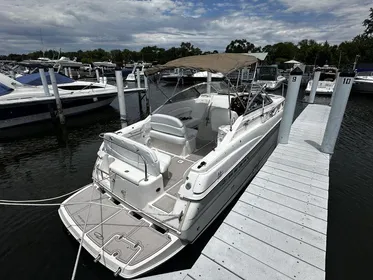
(307, 51)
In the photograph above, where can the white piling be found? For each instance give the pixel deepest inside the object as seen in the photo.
(335, 88)
(208, 88)
(337, 111)
(70, 73)
(44, 82)
(138, 78)
(56, 96)
(315, 83)
(97, 76)
(295, 79)
(66, 73)
(243, 71)
(146, 82)
(105, 80)
(121, 99)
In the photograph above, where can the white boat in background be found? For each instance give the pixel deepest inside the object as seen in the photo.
(159, 183)
(363, 82)
(22, 103)
(189, 76)
(141, 67)
(326, 82)
(270, 77)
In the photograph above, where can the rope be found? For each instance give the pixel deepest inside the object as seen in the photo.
(41, 200)
(81, 240)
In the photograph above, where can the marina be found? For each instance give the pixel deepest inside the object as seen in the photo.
(125, 155)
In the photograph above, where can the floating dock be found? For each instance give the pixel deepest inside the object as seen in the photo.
(278, 228)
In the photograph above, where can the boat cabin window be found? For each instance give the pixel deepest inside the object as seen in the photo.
(328, 76)
(267, 73)
(78, 87)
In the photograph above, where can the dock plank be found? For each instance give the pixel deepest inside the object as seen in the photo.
(281, 224)
(242, 264)
(273, 257)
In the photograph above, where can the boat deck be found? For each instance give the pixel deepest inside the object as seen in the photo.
(278, 228)
(116, 231)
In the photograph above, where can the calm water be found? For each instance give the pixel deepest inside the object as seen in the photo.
(34, 244)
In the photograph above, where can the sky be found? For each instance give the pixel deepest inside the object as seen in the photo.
(31, 25)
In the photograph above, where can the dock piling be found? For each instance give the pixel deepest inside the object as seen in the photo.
(44, 82)
(335, 88)
(315, 83)
(121, 99)
(97, 76)
(208, 88)
(138, 78)
(66, 73)
(56, 96)
(147, 94)
(70, 73)
(344, 85)
(295, 79)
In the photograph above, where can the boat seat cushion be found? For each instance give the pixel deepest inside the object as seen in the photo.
(132, 153)
(167, 124)
(169, 133)
(164, 161)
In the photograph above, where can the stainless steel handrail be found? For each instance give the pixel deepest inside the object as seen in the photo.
(145, 165)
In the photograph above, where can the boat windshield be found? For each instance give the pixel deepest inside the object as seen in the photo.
(328, 75)
(191, 93)
(266, 73)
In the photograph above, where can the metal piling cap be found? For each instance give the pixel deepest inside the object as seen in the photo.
(296, 72)
(347, 73)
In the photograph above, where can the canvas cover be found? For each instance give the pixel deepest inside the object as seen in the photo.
(215, 63)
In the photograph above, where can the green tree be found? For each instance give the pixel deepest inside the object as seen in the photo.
(368, 24)
(239, 46)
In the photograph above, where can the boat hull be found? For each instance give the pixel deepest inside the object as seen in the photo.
(234, 182)
(362, 86)
(12, 115)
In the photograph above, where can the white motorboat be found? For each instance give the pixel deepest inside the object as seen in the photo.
(189, 76)
(326, 82)
(159, 183)
(141, 67)
(363, 82)
(270, 77)
(22, 103)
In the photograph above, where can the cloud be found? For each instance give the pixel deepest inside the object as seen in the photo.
(88, 24)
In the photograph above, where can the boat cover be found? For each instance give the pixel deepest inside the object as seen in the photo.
(4, 89)
(35, 80)
(224, 63)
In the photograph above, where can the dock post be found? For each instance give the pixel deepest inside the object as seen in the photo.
(208, 88)
(121, 99)
(70, 73)
(56, 96)
(97, 75)
(335, 88)
(44, 82)
(315, 83)
(147, 95)
(66, 73)
(138, 78)
(295, 79)
(345, 82)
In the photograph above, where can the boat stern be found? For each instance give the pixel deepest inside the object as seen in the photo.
(119, 238)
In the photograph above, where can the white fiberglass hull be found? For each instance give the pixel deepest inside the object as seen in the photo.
(363, 85)
(206, 210)
(323, 87)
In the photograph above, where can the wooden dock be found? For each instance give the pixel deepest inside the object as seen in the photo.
(277, 229)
